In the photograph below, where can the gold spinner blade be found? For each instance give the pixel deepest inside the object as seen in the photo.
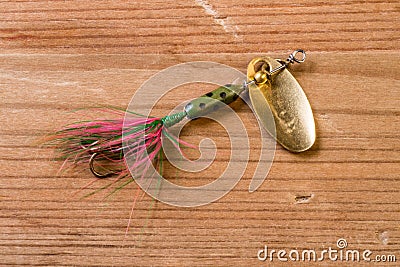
(291, 111)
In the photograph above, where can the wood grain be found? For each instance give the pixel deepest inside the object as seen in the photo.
(57, 56)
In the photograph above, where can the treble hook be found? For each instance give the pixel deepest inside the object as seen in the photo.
(93, 170)
(90, 150)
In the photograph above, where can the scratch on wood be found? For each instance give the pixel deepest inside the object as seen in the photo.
(302, 199)
(329, 123)
(383, 237)
(224, 21)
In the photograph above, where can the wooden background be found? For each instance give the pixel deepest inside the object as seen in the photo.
(60, 55)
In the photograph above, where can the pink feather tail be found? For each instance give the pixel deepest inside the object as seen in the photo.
(103, 145)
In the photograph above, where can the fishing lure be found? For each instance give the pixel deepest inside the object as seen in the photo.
(104, 144)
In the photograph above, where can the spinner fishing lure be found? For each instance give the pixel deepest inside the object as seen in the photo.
(104, 145)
